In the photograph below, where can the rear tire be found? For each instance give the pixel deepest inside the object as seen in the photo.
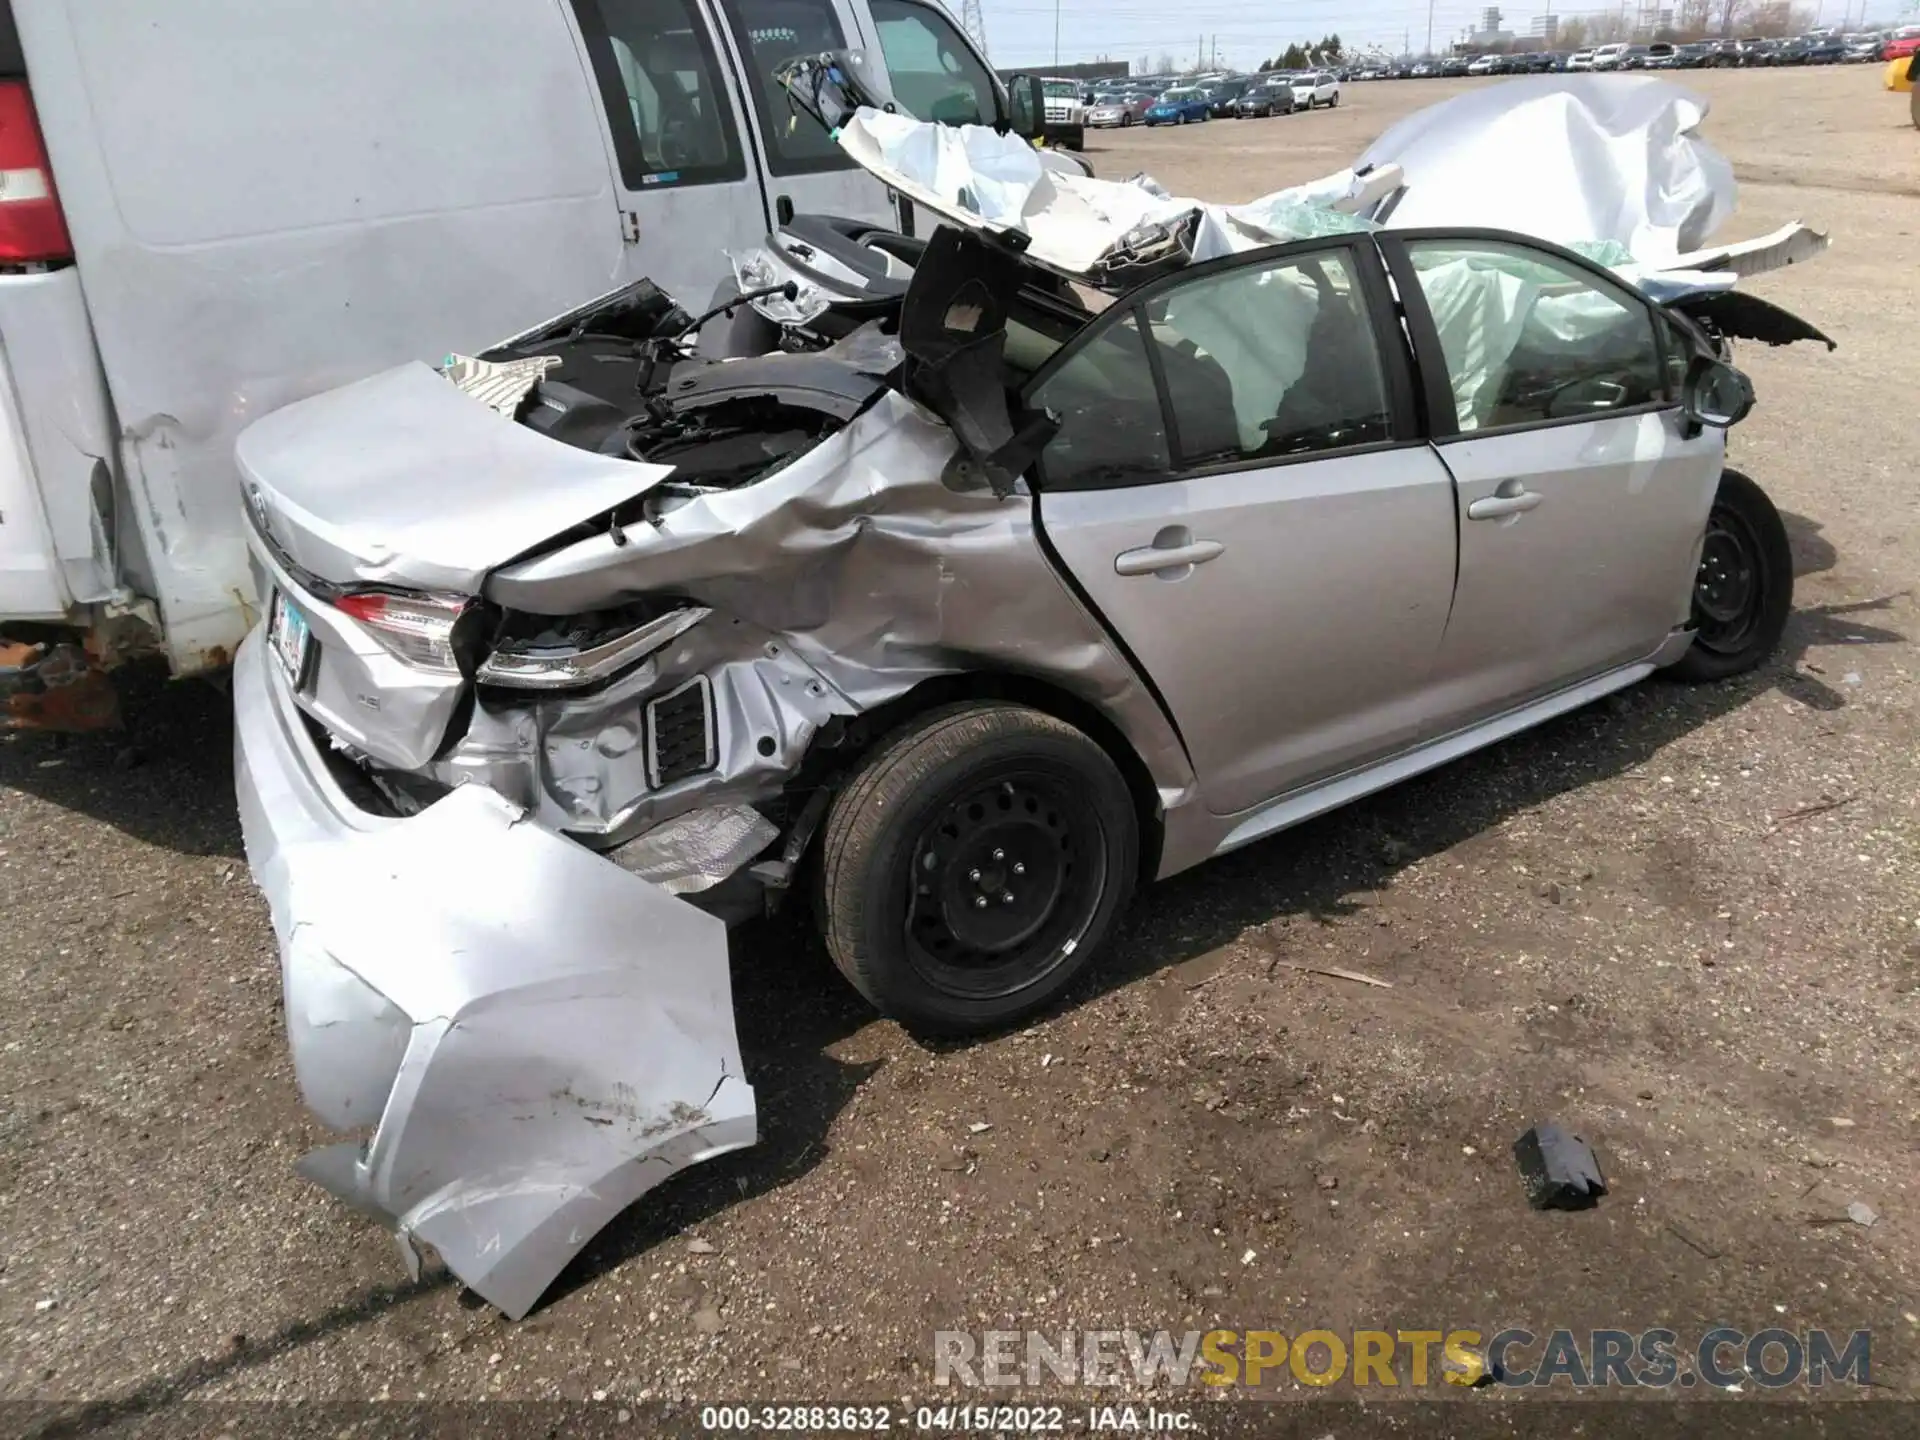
(974, 865)
(1743, 590)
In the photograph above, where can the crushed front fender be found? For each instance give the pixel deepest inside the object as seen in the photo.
(535, 1037)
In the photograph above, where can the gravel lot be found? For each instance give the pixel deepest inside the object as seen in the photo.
(1686, 922)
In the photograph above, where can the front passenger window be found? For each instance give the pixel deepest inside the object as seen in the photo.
(1529, 338)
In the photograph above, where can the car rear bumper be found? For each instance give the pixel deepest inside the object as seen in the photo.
(470, 986)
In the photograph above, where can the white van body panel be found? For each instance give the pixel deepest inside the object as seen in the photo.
(268, 199)
(244, 242)
(56, 452)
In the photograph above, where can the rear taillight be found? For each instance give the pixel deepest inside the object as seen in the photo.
(31, 225)
(418, 629)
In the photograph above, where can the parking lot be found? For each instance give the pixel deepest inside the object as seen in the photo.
(1685, 922)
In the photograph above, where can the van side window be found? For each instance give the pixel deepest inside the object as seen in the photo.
(768, 33)
(660, 81)
(935, 76)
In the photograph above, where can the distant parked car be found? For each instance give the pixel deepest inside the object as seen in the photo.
(1453, 67)
(1580, 60)
(1272, 96)
(1224, 95)
(1610, 57)
(1823, 50)
(1182, 105)
(1116, 112)
(1426, 68)
(1314, 88)
(1486, 65)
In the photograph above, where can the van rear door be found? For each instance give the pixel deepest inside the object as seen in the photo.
(689, 178)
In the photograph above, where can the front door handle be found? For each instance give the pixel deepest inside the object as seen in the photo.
(1168, 552)
(1498, 507)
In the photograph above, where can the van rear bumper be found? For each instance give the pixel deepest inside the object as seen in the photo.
(534, 1037)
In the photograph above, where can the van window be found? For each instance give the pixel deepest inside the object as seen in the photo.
(935, 76)
(768, 33)
(660, 80)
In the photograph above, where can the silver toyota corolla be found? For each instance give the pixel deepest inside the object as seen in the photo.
(962, 583)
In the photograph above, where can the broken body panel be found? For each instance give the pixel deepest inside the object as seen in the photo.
(632, 637)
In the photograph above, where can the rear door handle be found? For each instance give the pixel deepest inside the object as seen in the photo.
(1496, 507)
(1151, 558)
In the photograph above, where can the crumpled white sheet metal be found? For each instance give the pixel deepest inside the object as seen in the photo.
(1580, 160)
(537, 1037)
(974, 175)
(1565, 157)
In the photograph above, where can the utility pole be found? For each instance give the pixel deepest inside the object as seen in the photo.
(974, 23)
(1056, 34)
(1429, 28)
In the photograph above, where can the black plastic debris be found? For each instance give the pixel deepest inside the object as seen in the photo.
(1560, 1169)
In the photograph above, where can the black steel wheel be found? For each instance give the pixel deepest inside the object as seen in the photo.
(1743, 588)
(975, 864)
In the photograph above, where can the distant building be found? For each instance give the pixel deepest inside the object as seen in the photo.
(1489, 20)
(1545, 27)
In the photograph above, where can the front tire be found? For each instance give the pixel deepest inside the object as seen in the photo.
(1743, 590)
(974, 865)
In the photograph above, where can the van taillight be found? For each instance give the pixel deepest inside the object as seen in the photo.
(31, 225)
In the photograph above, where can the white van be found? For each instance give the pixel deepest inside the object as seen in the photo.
(211, 208)
(1609, 57)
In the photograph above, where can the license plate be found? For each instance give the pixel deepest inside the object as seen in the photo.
(289, 638)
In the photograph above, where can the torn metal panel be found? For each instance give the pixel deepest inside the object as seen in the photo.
(837, 584)
(1580, 160)
(1740, 316)
(537, 1037)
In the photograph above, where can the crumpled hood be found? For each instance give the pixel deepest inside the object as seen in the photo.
(403, 479)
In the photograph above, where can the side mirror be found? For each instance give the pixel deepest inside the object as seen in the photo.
(1026, 106)
(1716, 394)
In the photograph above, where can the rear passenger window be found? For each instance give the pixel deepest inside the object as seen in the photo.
(1111, 431)
(660, 80)
(1530, 339)
(769, 33)
(1267, 362)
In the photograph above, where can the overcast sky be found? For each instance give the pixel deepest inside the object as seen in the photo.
(1021, 32)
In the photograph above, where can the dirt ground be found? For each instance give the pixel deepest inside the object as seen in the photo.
(1685, 922)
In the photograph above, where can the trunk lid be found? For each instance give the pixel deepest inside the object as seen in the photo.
(403, 480)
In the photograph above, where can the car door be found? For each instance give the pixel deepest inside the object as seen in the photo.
(1239, 488)
(1553, 391)
(807, 172)
(686, 181)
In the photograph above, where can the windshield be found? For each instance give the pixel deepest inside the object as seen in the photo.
(1186, 92)
(1062, 90)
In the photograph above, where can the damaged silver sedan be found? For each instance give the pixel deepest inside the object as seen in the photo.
(962, 583)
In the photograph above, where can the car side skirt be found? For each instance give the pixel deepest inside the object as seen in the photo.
(1190, 847)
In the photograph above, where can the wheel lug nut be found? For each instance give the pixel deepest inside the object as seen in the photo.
(1018, 868)
(1006, 898)
(974, 876)
(980, 902)
(999, 854)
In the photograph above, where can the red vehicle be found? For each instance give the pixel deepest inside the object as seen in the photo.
(1903, 44)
